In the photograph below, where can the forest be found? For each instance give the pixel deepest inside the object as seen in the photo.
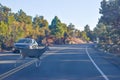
(108, 27)
(14, 26)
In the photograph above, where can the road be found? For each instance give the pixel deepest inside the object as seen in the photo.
(61, 62)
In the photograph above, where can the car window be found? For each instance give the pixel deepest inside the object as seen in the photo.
(34, 42)
(25, 41)
(28, 41)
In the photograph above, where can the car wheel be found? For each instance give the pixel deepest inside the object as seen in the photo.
(16, 51)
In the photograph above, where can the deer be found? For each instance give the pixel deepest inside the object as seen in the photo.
(32, 53)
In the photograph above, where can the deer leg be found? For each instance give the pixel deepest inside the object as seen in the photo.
(16, 63)
(38, 62)
(18, 60)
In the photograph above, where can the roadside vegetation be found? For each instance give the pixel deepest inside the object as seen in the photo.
(108, 27)
(14, 26)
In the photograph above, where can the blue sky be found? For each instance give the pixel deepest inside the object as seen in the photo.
(77, 12)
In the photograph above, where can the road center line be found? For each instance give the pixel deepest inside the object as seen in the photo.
(6, 74)
(101, 72)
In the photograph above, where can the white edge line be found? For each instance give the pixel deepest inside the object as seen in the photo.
(101, 72)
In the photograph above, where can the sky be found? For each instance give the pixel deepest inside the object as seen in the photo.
(77, 12)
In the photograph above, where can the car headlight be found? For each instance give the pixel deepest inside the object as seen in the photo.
(30, 47)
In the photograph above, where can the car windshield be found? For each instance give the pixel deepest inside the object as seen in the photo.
(24, 41)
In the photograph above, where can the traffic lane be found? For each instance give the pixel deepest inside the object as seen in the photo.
(71, 68)
(8, 56)
(8, 61)
(67, 64)
(106, 64)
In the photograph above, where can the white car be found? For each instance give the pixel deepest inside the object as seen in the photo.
(25, 43)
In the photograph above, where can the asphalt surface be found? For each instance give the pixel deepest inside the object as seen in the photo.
(62, 62)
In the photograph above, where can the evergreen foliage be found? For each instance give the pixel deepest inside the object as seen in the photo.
(14, 26)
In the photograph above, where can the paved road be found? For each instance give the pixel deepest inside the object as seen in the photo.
(63, 62)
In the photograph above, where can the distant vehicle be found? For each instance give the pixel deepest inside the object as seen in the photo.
(25, 43)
